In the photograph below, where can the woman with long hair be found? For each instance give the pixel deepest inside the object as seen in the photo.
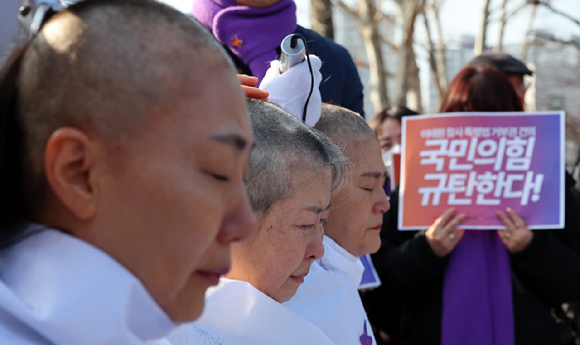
(480, 287)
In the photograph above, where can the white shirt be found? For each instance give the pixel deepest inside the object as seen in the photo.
(56, 289)
(329, 297)
(238, 313)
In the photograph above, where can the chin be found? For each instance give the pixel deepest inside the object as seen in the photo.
(373, 246)
(286, 292)
(187, 307)
(285, 298)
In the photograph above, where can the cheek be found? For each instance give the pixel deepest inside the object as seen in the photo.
(359, 210)
(192, 220)
(287, 255)
(179, 219)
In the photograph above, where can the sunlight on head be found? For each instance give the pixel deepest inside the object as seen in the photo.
(65, 36)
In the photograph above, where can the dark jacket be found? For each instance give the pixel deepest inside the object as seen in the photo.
(341, 83)
(409, 303)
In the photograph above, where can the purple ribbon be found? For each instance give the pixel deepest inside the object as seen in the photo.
(477, 292)
(252, 33)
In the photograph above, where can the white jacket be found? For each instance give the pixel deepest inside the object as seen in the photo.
(56, 289)
(238, 313)
(329, 297)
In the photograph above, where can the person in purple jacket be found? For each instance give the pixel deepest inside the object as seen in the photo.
(252, 30)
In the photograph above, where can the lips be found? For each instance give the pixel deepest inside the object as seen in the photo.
(378, 227)
(213, 275)
(299, 278)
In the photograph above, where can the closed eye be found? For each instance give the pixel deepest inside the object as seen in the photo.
(322, 222)
(221, 178)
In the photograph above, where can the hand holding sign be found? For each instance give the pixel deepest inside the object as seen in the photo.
(444, 235)
(516, 237)
(479, 163)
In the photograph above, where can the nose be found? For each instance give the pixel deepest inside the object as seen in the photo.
(382, 204)
(239, 223)
(315, 249)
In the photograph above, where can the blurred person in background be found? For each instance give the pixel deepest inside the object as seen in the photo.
(512, 68)
(387, 125)
(535, 272)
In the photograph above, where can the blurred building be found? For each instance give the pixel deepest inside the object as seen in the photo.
(555, 84)
(457, 55)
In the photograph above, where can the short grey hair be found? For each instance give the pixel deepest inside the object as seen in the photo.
(341, 124)
(283, 143)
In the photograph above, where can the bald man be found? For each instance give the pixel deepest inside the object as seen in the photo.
(121, 175)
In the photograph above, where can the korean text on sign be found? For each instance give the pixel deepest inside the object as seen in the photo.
(482, 163)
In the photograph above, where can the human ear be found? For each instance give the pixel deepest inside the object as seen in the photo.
(69, 163)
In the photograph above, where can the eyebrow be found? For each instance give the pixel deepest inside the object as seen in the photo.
(374, 174)
(317, 209)
(234, 140)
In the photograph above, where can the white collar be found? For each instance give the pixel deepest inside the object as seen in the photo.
(336, 257)
(238, 313)
(70, 292)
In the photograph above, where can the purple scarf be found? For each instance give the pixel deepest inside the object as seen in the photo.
(477, 292)
(252, 33)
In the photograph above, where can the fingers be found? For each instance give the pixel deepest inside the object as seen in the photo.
(252, 92)
(247, 80)
(444, 235)
(456, 221)
(505, 220)
(441, 221)
(505, 235)
(516, 237)
(453, 232)
(517, 220)
(248, 83)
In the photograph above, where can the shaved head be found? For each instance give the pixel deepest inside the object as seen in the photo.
(115, 131)
(342, 125)
(108, 67)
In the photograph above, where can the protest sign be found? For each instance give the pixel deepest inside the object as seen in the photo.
(480, 163)
(392, 160)
(397, 168)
